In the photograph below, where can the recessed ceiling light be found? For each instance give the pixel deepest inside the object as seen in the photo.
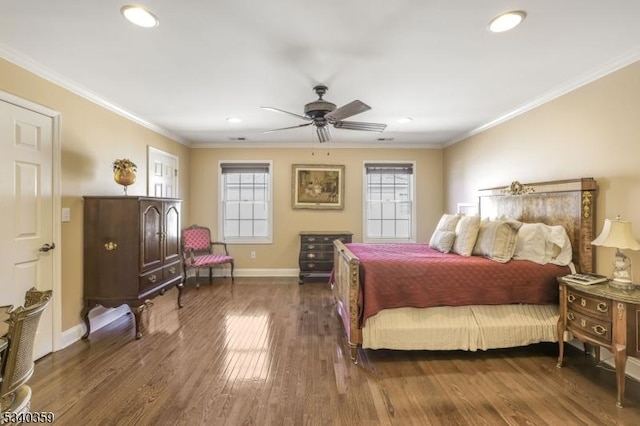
(140, 16)
(507, 21)
(405, 120)
(234, 120)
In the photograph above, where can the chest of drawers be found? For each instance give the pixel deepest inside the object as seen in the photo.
(316, 253)
(603, 316)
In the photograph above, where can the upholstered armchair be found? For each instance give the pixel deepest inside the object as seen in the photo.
(16, 351)
(198, 251)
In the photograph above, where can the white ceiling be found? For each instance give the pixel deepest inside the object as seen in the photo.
(433, 61)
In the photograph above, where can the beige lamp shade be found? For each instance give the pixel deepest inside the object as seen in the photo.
(616, 233)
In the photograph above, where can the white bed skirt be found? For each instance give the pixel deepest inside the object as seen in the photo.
(461, 327)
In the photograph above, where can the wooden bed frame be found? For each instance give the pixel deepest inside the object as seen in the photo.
(570, 203)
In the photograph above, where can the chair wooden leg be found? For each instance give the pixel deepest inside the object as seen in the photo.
(231, 272)
(197, 278)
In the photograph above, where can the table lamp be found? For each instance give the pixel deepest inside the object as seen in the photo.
(617, 233)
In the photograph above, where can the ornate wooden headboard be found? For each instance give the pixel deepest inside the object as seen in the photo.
(570, 203)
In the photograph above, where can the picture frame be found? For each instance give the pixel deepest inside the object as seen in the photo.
(317, 186)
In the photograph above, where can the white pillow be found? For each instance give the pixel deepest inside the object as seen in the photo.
(543, 244)
(557, 238)
(466, 234)
(448, 222)
(531, 243)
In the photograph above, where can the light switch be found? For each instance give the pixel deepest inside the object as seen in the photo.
(66, 214)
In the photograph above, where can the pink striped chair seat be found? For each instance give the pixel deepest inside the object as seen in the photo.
(209, 259)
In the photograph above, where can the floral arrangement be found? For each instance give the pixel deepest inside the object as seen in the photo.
(123, 164)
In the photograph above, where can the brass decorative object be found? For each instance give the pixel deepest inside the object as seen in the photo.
(124, 172)
(517, 188)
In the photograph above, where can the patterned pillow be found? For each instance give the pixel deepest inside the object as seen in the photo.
(466, 234)
(444, 235)
(442, 240)
(497, 240)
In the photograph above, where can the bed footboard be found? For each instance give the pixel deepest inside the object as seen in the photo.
(346, 290)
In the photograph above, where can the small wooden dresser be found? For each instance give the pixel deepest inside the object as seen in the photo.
(316, 253)
(132, 252)
(600, 315)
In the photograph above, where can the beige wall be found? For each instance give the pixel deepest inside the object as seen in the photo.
(591, 132)
(91, 138)
(283, 253)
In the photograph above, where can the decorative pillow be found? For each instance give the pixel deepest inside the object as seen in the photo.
(466, 234)
(448, 222)
(439, 240)
(497, 240)
(442, 240)
(531, 243)
(558, 247)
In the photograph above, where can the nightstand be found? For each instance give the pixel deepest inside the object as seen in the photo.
(316, 253)
(603, 316)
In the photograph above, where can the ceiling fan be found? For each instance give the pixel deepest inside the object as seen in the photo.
(321, 113)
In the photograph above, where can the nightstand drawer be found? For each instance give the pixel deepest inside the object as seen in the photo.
(316, 255)
(590, 305)
(596, 329)
(316, 266)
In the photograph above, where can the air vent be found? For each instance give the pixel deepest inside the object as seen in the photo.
(384, 139)
(241, 138)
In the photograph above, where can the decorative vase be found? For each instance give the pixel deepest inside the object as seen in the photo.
(125, 177)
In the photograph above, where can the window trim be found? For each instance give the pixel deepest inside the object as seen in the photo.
(245, 240)
(365, 237)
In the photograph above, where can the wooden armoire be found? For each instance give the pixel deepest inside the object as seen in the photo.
(132, 252)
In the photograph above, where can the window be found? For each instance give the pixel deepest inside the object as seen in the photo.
(388, 207)
(245, 202)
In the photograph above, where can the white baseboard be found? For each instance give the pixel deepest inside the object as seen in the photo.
(268, 273)
(633, 365)
(75, 333)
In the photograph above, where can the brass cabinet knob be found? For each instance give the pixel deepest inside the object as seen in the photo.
(571, 316)
(571, 298)
(111, 246)
(600, 330)
(602, 307)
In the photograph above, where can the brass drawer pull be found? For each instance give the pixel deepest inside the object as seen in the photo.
(311, 239)
(153, 278)
(111, 246)
(602, 307)
(311, 246)
(583, 323)
(598, 329)
(571, 316)
(583, 302)
(327, 239)
(311, 255)
(311, 265)
(571, 298)
(172, 270)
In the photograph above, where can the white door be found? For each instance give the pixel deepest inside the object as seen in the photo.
(26, 228)
(162, 174)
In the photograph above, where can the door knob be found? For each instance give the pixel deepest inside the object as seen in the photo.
(46, 247)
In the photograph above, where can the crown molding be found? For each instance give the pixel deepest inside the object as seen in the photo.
(45, 73)
(326, 146)
(582, 80)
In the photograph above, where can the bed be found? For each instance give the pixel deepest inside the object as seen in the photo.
(385, 300)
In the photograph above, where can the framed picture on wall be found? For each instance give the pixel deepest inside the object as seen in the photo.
(317, 186)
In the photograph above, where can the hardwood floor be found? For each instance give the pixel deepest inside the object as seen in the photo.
(271, 352)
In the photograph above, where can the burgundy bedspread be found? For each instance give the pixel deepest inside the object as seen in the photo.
(414, 275)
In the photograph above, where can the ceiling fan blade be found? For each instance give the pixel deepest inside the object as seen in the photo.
(324, 133)
(286, 112)
(286, 128)
(360, 125)
(352, 108)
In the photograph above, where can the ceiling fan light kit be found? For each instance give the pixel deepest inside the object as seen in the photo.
(139, 16)
(321, 113)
